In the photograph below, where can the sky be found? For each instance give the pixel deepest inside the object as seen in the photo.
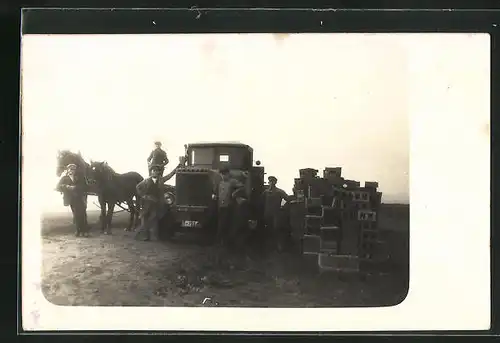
(300, 100)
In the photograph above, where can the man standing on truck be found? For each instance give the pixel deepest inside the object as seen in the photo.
(226, 193)
(157, 157)
(273, 197)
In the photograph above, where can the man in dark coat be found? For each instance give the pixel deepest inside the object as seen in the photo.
(157, 157)
(74, 190)
(227, 191)
(151, 191)
(273, 198)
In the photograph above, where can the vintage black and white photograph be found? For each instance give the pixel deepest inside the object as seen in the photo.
(221, 170)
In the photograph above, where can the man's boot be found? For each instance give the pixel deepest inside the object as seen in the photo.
(143, 233)
(154, 232)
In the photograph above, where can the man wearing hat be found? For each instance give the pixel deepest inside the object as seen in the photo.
(151, 191)
(273, 197)
(74, 194)
(227, 192)
(157, 157)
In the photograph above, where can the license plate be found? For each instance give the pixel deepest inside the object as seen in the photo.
(190, 223)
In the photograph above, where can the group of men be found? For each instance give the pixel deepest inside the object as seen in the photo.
(230, 194)
(74, 189)
(232, 203)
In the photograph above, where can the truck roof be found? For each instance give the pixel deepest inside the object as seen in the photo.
(219, 144)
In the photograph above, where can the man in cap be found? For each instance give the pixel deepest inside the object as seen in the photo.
(226, 193)
(273, 198)
(151, 191)
(157, 157)
(74, 194)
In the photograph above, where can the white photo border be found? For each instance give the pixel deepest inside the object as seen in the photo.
(449, 219)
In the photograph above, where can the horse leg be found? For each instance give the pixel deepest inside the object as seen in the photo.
(109, 217)
(131, 208)
(138, 207)
(102, 217)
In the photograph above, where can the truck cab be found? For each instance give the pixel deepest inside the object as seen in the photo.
(196, 183)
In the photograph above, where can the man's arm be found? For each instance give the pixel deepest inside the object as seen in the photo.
(141, 188)
(284, 195)
(169, 175)
(150, 156)
(62, 185)
(165, 158)
(237, 186)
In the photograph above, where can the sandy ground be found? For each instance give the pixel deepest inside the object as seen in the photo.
(119, 271)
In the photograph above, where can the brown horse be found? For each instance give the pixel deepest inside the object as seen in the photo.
(114, 188)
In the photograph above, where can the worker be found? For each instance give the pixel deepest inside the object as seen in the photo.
(273, 198)
(226, 196)
(74, 189)
(151, 192)
(157, 157)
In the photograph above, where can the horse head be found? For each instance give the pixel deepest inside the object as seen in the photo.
(101, 170)
(66, 157)
(62, 161)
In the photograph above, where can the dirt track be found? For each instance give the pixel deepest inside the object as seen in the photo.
(117, 270)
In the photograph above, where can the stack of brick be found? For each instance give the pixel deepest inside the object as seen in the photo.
(339, 226)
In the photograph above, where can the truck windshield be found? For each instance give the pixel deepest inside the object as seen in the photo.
(216, 157)
(202, 157)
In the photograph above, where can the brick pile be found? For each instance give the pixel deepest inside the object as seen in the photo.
(335, 219)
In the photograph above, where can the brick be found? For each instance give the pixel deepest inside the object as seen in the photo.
(313, 202)
(371, 184)
(319, 187)
(330, 233)
(368, 248)
(331, 216)
(332, 171)
(340, 202)
(369, 235)
(350, 238)
(329, 246)
(308, 173)
(364, 225)
(338, 262)
(338, 191)
(369, 266)
(376, 199)
(311, 244)
(310, 262)
(381, 251)
(298, 183)
(334, 180)
(347, 203)
(313, 223)
(314, 211)
(363, 206)
(327, 200)
(367, 215)
(352, 183)
(377, 251)
(362, 196)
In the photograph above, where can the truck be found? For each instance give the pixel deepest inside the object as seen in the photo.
(193, 203)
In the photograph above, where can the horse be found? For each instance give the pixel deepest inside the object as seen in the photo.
(66, 157)
(114, 188)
